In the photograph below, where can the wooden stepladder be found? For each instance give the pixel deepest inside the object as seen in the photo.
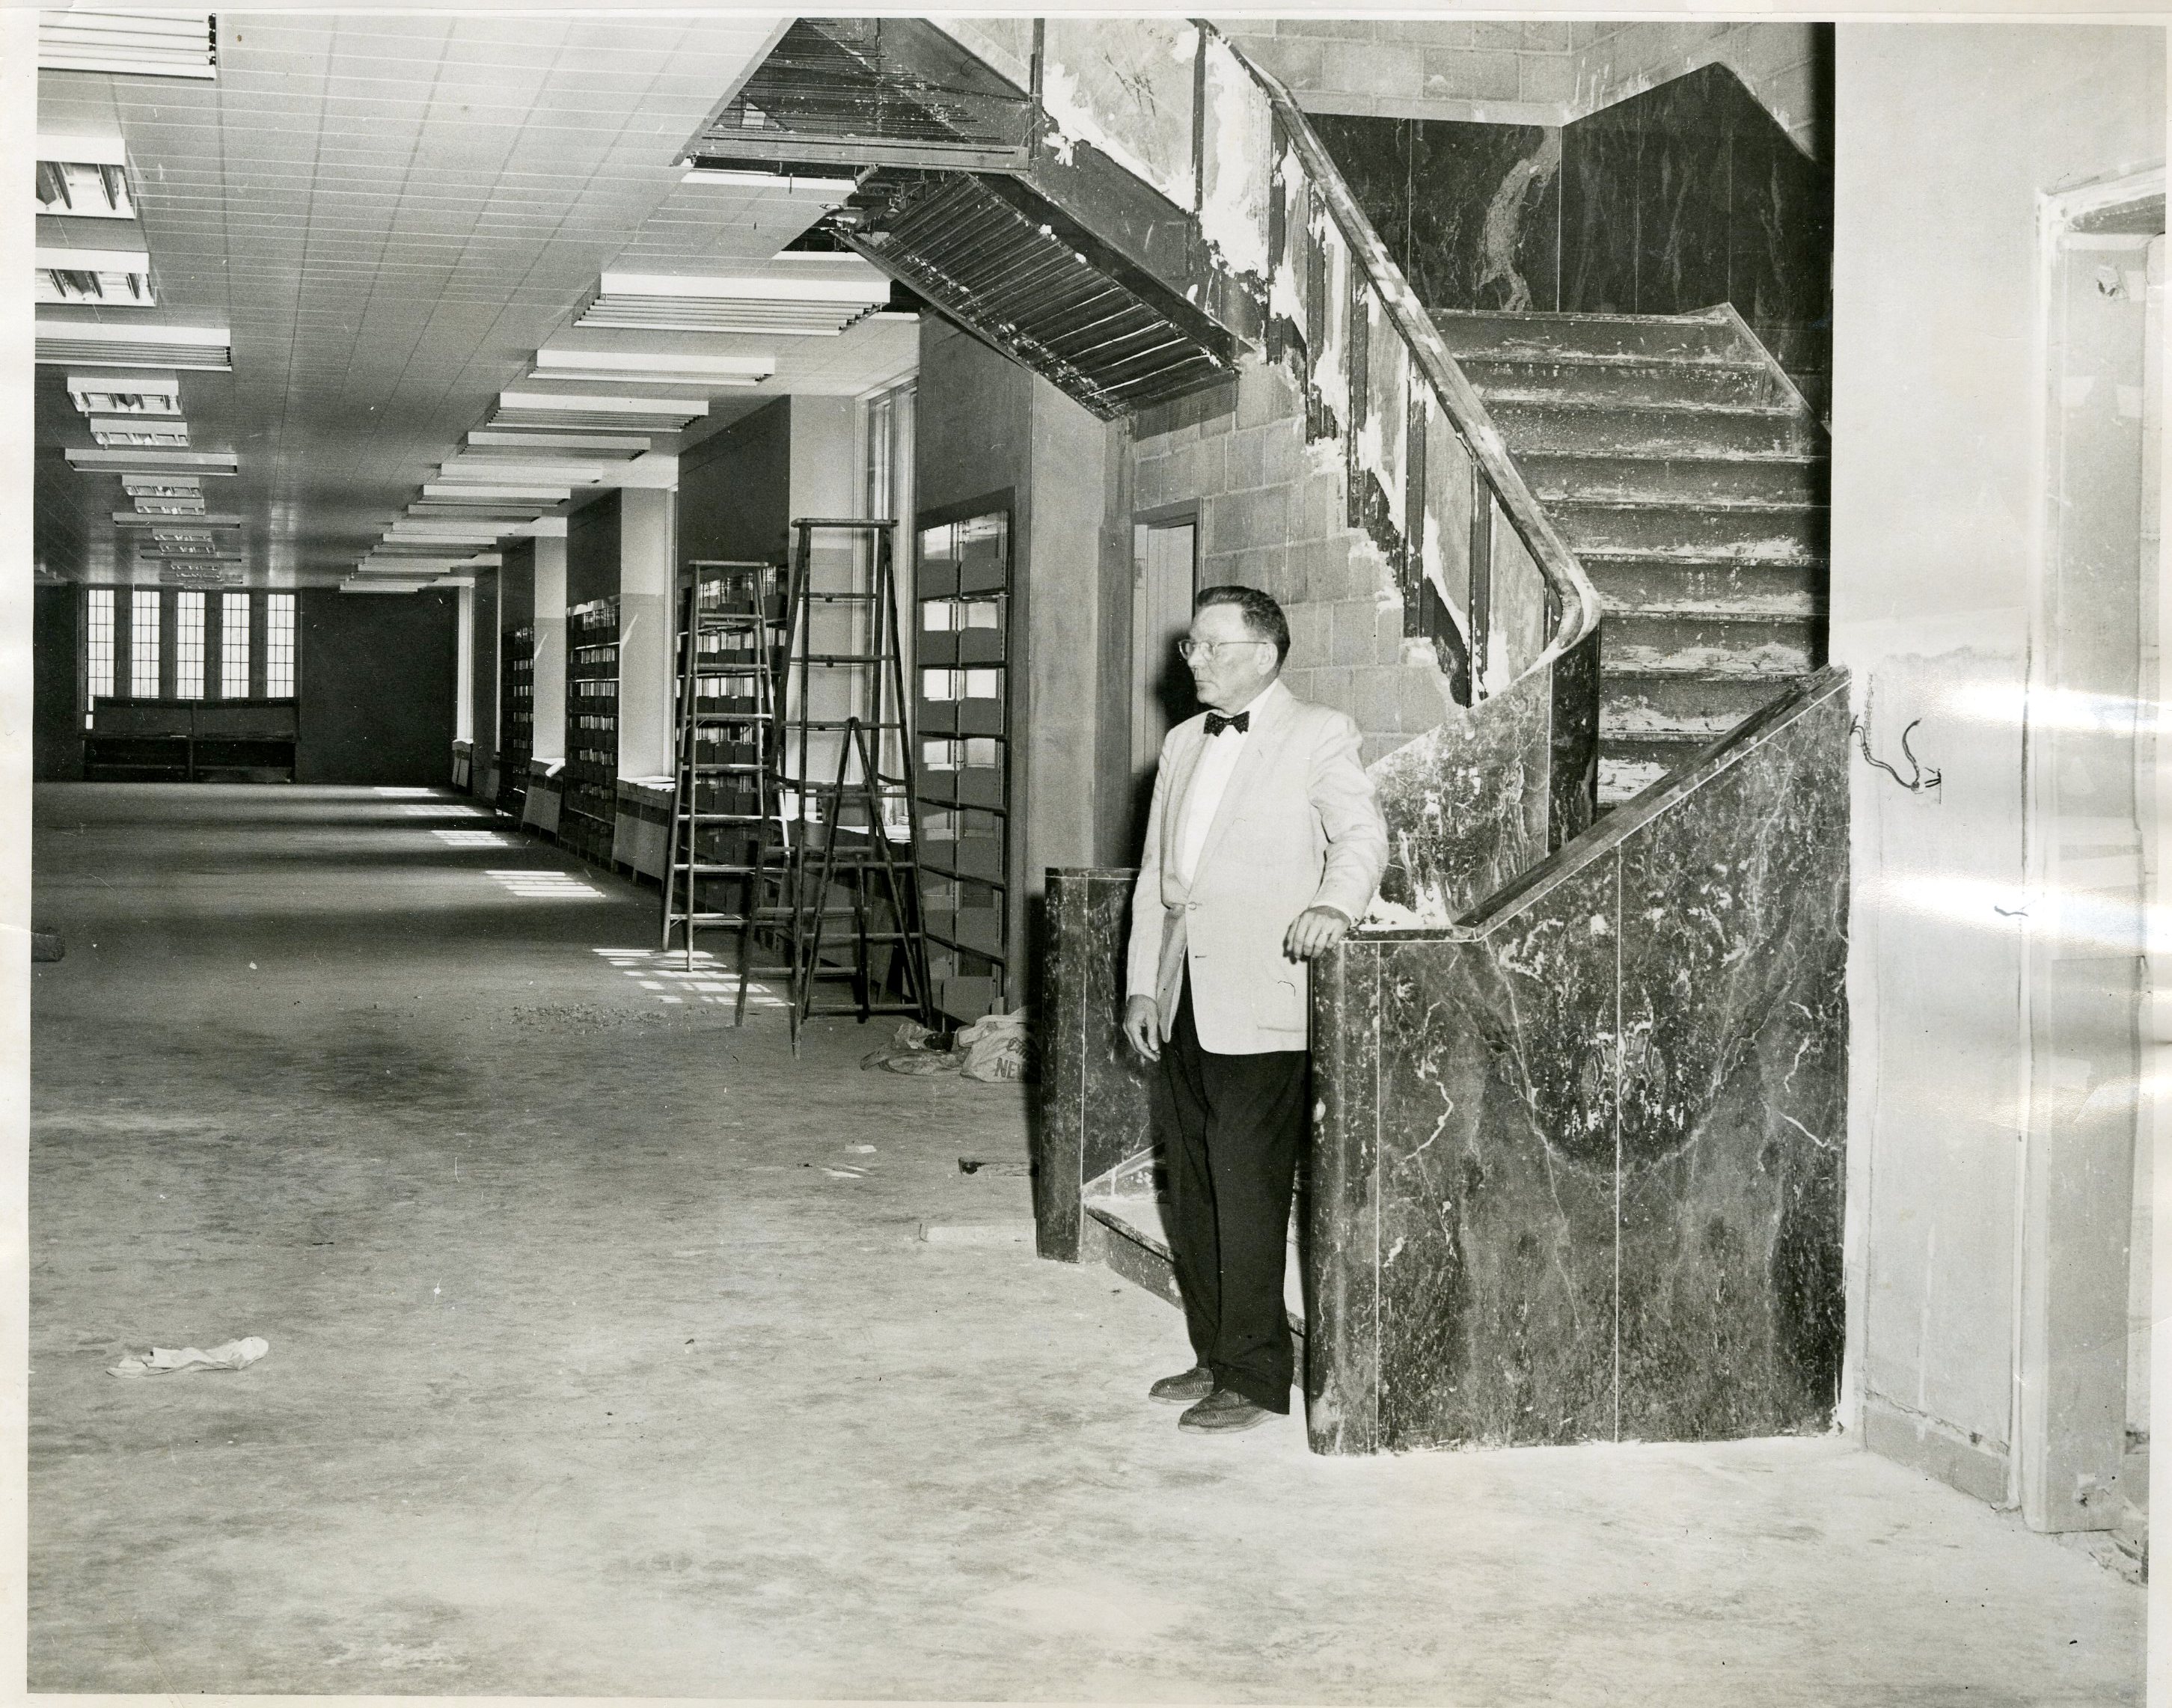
(728, 865)
(845, 776)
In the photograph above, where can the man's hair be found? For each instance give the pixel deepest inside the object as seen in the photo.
(1262, 615)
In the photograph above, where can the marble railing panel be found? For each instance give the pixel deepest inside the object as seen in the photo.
(1092, 1114)
(1587, 1157)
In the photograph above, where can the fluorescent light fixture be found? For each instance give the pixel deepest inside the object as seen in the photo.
(483, 471)
(84, 178)
(166, 506)
(461, 489)
(575, 363)
(382, 586)
(137, 430)
(628, 376)
(90, 150)
(92, 261)
(127, 42)
(167, 486)
(591, 445)
(836, 189)
(155, 462)
(131, 518)
(125, 394)
(555, 402)
(102, 344)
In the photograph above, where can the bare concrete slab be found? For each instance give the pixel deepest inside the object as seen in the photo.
(605, 1359)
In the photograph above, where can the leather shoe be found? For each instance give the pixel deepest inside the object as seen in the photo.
(1223, 1410)
(1195, 1385)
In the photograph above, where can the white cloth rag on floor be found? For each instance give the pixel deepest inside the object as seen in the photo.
(164, 1361)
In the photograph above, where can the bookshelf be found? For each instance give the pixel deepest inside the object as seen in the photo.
(516, 718)
(961, 703)
(587, 807)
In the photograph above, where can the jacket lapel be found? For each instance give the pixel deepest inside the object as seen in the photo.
(1269, 726)
(1180, 789)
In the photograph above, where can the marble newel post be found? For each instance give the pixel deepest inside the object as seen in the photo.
(644, 629)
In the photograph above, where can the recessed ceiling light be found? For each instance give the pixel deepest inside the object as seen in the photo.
(137, 430)
(486, 489)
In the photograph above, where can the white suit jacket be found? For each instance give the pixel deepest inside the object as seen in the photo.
(1298, 827)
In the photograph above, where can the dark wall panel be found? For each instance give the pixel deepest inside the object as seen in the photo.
(1471, 213)
(592, 552)
(1690, 193)
(56, 667)
(377, 680)
(734, 490)
(516, 586)
(1684, 196)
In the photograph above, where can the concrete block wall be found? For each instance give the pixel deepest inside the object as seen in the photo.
(1528, 73)
(1504, 73)
(1273, 515)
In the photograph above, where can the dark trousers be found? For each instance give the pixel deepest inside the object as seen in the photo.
(1230, 1127)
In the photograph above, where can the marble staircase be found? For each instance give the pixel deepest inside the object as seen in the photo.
(1689, 476)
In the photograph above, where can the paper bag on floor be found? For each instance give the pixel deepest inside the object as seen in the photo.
(165, 1361)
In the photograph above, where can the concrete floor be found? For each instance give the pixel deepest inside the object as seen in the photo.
(596, 1370)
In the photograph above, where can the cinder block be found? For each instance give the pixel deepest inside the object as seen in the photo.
(1264, 394)
(1353, 633)
(1380, 697)
(1427, 32)
(1508, 34)
(1547, 38)
(1423, 707)
(1299, 63)
(1387, 632)
(1267, 567)
(1311, 629)
(1247, 466)
(1281, 460)
(1477, 76)
(1376, 68)
(1547, 77)
(1337, 688)
(1326, 29)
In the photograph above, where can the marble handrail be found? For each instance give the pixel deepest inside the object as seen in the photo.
(1580, 608)
(1577, 1163)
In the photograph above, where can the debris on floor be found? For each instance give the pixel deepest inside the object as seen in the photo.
(165, 1361)
(976, 1165)
(993, 1049)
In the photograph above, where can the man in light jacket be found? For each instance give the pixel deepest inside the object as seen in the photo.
(1264, 845)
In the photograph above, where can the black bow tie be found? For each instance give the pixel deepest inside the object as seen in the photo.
(1216, 723)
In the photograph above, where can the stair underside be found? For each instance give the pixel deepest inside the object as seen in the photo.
(1691, 479)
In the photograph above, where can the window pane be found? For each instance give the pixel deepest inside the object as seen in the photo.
(143, 644)
(279, 646)
(234, 645)
(101, 643)
(189, 646)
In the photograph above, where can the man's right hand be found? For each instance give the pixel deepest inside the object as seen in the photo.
(1142, 1026)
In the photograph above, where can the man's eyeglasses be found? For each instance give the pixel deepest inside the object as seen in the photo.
(1188, 649)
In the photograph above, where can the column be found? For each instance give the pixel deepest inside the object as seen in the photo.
(482, 628)
(645, 624)
(551, 649)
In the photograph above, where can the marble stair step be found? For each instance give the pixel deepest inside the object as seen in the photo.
(1138, 1250)
(1768, 477)
(1766, 640)
(1722, 528)
(1625, 378)
(1655, 700)
(1490, 332)
(1532, 421)
(1627, 579)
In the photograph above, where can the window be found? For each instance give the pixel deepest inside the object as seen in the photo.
(234, 645)
(143, 644)
(279, 646)
(188, 646)
(101, 643)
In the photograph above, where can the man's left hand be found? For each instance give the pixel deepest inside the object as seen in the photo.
(1313, 932)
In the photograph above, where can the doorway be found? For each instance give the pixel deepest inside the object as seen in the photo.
(2082, 1425)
